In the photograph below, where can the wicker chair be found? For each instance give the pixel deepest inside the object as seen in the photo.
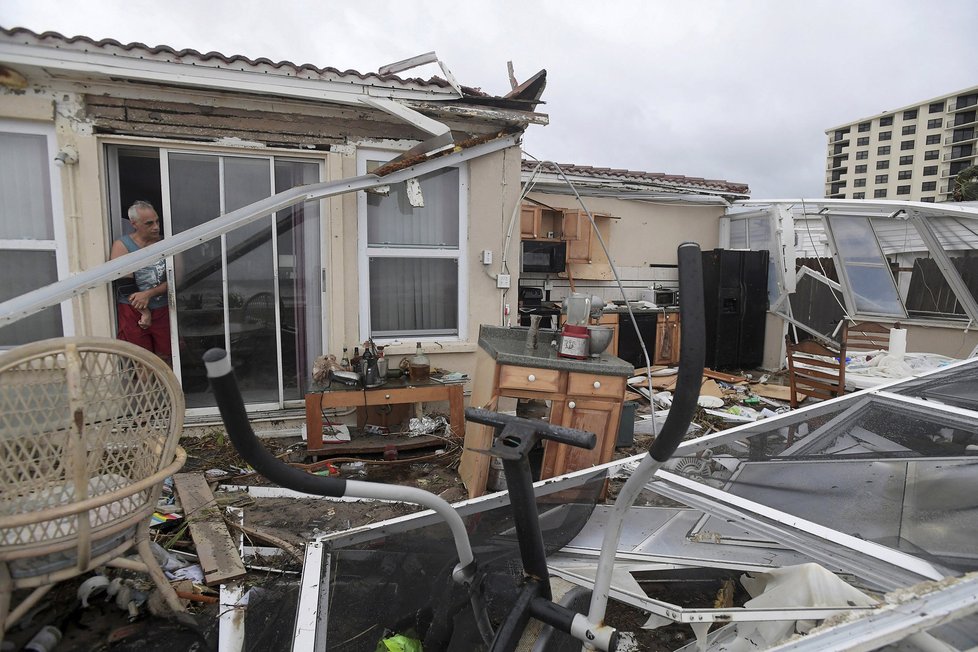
(815, 370)
(88, 432)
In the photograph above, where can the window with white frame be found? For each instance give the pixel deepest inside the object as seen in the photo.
(869, 281)
(412, 256)
(32, 239)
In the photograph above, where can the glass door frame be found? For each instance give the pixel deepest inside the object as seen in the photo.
(166, 216)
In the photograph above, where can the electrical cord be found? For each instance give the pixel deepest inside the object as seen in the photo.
(614, 271)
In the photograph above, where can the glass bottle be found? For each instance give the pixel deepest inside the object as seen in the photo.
(420, 367)
(345, 360)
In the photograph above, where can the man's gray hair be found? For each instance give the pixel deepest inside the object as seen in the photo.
(133, 212)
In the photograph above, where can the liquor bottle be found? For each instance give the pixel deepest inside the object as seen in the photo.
(420, 367)
(345, 360)
(355, 360)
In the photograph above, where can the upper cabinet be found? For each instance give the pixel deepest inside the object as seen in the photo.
(539, 223)
(569, 225)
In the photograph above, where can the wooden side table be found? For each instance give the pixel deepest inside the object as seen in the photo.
(390, 394)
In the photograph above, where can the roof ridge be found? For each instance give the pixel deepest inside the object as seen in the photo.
(227, 59)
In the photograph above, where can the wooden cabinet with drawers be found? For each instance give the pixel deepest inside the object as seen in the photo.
(586, 401)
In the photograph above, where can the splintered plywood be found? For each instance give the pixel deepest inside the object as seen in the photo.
(216, 550)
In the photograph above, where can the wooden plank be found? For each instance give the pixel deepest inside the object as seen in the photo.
(726, 378)
(216, 550)
(366, 444)
(778, 392)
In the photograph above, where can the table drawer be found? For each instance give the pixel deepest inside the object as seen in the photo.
(594, 385)
(529, 378)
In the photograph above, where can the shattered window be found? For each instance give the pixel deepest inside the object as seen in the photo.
(816, 305)
(867, 273)
(874, 467)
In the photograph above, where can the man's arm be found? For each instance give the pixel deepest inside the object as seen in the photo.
(140, 300)
(118, 249)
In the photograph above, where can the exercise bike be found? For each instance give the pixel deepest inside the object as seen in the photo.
(514, 438)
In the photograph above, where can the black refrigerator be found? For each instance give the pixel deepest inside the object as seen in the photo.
(735, 294)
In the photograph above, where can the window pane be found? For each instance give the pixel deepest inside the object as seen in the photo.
(23, 271)
(738, 234)
(413, 295)
(855, 240)
(25, 189)
(873, 290)
(251, 288)
(300, 281)
(393, 221)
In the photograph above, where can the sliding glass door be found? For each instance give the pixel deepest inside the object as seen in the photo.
(256, 291)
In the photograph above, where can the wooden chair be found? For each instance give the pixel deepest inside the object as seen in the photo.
(865, 337)
(815, 370)
(88, 432)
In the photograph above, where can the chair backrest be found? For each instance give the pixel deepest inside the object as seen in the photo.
(815, 370)
(865, 336)
(88, 429)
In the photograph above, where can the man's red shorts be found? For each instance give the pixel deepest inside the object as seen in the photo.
(156, 338)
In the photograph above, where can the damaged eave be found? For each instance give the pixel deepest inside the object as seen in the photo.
(507, 116)
(102, 65)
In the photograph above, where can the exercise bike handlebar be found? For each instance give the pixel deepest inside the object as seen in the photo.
(692, 354)
(544, 430)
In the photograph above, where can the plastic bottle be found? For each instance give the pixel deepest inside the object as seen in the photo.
(45, 640)
(420, 367)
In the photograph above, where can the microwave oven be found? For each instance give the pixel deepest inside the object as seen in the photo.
(543, 256)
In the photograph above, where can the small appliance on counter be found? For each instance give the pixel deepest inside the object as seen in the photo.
(574, 336)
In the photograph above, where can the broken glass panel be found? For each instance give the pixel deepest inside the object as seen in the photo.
(957, 387)
(816, 305)
(866, 271)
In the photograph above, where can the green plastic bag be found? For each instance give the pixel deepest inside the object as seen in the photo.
(399, 643)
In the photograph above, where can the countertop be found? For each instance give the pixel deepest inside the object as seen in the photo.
(622, 310)
(508, 346)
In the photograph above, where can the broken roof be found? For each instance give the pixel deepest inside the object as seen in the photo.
(637, 180)
(420, 89)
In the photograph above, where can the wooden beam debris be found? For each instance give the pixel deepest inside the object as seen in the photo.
(216, 550)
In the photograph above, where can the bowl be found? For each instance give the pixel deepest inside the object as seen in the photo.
(600, 338)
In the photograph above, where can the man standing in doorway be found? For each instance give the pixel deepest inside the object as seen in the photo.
(144, 314)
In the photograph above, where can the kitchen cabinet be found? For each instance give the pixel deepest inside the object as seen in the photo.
(577, 233)
(586, 395)
(539, 223)
(667, 339)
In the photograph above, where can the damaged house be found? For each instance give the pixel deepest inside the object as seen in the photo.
(90, 126)
(867, 496)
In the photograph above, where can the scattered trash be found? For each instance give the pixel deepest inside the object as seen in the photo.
(159, 518)
(426, 425)
(709, 401)
(354, 469)
(399, 643)
(93, 585)
(216, 473)
(45, 640)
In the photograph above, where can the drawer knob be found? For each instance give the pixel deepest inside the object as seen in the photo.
(572, 405)
(597, 384)
(531, 378)
(387, 396)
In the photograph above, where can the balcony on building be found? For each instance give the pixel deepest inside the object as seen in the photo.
(963, 102)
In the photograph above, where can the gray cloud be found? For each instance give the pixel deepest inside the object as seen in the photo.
(741, 91)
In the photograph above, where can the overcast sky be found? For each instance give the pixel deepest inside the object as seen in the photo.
(741, 91)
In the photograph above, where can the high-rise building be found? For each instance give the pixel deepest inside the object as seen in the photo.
(912, 153)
